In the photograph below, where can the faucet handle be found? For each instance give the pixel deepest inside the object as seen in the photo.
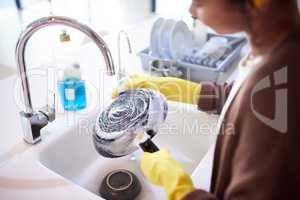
(32, 123)
(49, 110)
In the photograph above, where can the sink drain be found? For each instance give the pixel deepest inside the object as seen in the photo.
(120, 185)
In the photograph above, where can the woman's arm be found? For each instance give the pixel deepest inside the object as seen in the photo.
(264, 160)
(209, 96)
(212, 96)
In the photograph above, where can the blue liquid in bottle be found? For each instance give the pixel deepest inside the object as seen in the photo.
(72, 94)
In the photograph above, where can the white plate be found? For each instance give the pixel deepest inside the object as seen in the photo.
(154, 47)
(164, 39)
(180, 41)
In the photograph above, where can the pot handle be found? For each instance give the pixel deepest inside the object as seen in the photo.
(149, 146)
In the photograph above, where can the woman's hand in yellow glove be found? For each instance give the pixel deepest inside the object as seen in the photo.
(162, 170)
(174, 89)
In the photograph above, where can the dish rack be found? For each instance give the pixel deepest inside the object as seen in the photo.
(188, 71)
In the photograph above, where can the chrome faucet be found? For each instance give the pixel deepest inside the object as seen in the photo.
(34, 121)
(121, 70)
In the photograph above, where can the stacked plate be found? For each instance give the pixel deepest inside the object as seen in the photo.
(170, 39)
(175, 51)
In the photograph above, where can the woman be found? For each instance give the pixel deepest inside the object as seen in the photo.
(256, 152)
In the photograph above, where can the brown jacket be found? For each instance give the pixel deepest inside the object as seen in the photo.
(258, 157)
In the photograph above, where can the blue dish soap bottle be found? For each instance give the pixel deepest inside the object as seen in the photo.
(72, 89)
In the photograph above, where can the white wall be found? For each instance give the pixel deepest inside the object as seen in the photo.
(173, 8)
(107, 15)
(135, 10)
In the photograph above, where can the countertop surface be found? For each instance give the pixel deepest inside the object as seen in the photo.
(21, 174)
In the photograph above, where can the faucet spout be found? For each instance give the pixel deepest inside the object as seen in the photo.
(122, 71)
(29, 114)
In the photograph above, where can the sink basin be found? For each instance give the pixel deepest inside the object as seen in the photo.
(71, 153)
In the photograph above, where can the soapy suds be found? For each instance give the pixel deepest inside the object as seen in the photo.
(125, 112)
(132, 113)
(129, 111)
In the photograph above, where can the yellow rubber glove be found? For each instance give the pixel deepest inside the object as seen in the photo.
(174, 89)
(162, 170)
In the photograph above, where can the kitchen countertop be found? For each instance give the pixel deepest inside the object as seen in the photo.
(21, 174)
